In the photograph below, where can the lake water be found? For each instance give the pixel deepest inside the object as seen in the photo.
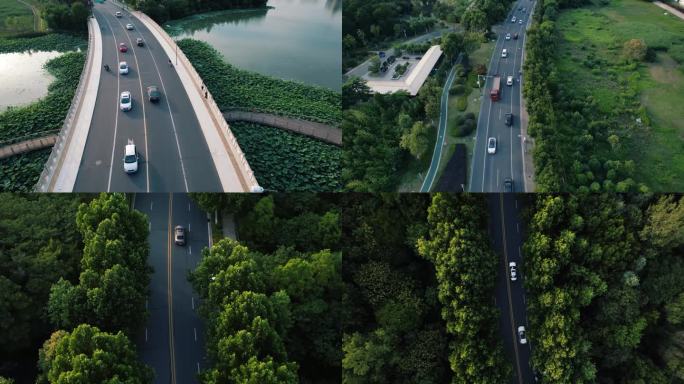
(23, 78)
(297, 40)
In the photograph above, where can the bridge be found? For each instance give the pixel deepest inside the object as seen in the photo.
(183, 142)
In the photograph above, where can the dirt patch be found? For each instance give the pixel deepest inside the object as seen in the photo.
(665, 71)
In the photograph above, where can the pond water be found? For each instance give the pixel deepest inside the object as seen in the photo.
(297, 40)
(22, 77)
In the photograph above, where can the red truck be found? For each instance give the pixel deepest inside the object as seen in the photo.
(495, 93)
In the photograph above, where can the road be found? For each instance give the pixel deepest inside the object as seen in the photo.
(174, 156)
(489, 171)
(506, 231)
(173, 343)
(441, 132)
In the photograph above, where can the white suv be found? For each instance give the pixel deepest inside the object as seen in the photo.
(123, 68)
(509, 80)
(513, 267)
(491, 146)
(130, 159)
(504, 53)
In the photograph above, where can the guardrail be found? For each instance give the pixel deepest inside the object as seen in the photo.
(56, 158)
(224, 128)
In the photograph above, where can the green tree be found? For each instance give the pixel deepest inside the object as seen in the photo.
(416, 141)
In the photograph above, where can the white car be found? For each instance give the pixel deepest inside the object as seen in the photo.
(125, 102)
(504, 53)
(521, 335)
(123, 68)
(520, 21)
(130, 159)
(513, 20)
(491, 146)
(118, 14)
(509, 80)
(513, 268)
(129, 27)
(508, 36)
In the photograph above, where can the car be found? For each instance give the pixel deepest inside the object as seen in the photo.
(123, 68)
(491, 145)
(139, 41)
(521, 335)
(508, 119)
(179, 237)
(123, 47)
(513, 269)
(515, 36)
(520, 21)
(508, 36)
(509, 80)
(508, 187)
(129, 27)
(504, 53)
(130, 158)
(513, 19)
(519, 8)
(153, 93)
(524, 9)
(118, 14)
(405, 57)
(125, 101)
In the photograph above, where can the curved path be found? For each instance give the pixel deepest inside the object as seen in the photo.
(313, 129)
(169, 136)
(27, 146)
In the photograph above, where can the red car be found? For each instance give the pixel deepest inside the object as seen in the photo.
(123, 47)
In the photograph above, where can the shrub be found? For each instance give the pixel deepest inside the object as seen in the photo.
(635, 49)
(457, 89)
(462, 103)
(466, 128)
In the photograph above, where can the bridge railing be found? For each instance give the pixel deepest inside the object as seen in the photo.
(56, 158)
(224, 127)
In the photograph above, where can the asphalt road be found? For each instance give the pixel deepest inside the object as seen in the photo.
(488, 171)
(174, 156)
(506, 231)
(173, 343)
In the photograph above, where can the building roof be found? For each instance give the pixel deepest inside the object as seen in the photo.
(415, 78)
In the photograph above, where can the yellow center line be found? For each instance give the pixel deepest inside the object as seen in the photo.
(169, 288)
(508, 290)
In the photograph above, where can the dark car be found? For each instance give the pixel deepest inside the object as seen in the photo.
(509, 119)
(391, 59)
(140, 42)
(123, 47)
(179, 237)
(515, 36)
(508, 185)
(153, 93)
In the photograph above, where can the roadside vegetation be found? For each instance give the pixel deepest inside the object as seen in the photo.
(16, 18)
(46, 115)
(61, 42)
(163, 10)
(84, 259)
(286, 161)
(604, 121)
(235, 88)
(272, 299)
(605, 283)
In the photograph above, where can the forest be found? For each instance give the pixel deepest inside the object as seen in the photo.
(272, 300)
(163, 10)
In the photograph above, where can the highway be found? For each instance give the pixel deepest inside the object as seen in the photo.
(174, 156)
(172, 342)
(506, 231)
(488, 171)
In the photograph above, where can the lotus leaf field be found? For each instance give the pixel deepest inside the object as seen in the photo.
(20, 173)
(285, 161)
(61, 42)
(235, 88)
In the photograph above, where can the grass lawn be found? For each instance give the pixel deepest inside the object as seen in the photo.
(16, 18)
(591, 55)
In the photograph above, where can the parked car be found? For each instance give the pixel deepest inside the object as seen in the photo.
(130, 159)
(125, 101)
(139, 41)
(508, 186)
(491, 145)
(521, 335)
(509, 80)
(123, 47)
(153, 93)
(504, 53)
(129, 27)
(179, 237)
(123, 68)
(508, 36)
(118, 14)
(513, 269)
(508, 119)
